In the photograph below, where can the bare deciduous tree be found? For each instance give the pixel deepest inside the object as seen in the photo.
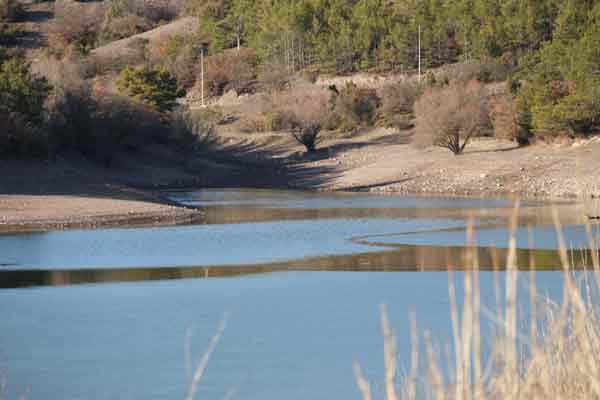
(305, 109)
(450, 116)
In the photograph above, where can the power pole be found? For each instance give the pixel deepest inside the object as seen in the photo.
(419, 53)
(466, 48)
(202, 75)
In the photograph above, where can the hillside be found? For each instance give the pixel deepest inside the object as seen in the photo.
(123, 49)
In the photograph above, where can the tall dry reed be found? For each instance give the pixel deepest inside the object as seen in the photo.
(558, 357)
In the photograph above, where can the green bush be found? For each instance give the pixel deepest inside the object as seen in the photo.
(155, 87)
(576, 113)
(22, 92)
(559, 92)
(22, 97)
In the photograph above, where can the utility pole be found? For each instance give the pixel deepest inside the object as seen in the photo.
(419, 53)
(202, 76)
(202, 47)
(466, 48)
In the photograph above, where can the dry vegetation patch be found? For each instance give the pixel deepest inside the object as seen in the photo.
(554, 354)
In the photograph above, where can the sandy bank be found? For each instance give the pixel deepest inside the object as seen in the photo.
(37, 196)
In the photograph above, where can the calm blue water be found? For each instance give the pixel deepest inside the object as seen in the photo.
(220, 244)
(291, 335)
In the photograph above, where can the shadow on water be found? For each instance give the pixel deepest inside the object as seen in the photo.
(403, 259)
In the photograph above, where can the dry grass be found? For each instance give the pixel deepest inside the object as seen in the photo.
(557, 357)
(116, 50)
(198, 373)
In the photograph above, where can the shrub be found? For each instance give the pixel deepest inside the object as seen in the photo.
(155, 87)
(157, 12)
(354, 106)
(190, 132)
(75, 26)
(125, 18)
(116, 27)
(232, 69)
(505, 120)
(575, 112)
(21, 91)
(398, 100)
(22, 97)
(78, 31)
(125, 124)
(273, 75)
(253, 113)
(179, 54)
(449, 117)
(101, 127)
(305, 111)
(120, 21)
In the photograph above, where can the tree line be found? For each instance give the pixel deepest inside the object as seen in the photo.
(349, 35)
(551, 47)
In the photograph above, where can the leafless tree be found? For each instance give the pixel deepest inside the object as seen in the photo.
(306, 110)
(451, 116)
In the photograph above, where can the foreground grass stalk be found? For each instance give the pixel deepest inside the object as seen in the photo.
(559, 358)
(389, 354)
(201, 368)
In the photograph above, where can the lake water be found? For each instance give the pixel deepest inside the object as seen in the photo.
(104, 314)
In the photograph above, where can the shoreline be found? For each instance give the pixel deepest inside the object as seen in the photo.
(76, 194)
(130, 220)
(168, 213)
(138, 214)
